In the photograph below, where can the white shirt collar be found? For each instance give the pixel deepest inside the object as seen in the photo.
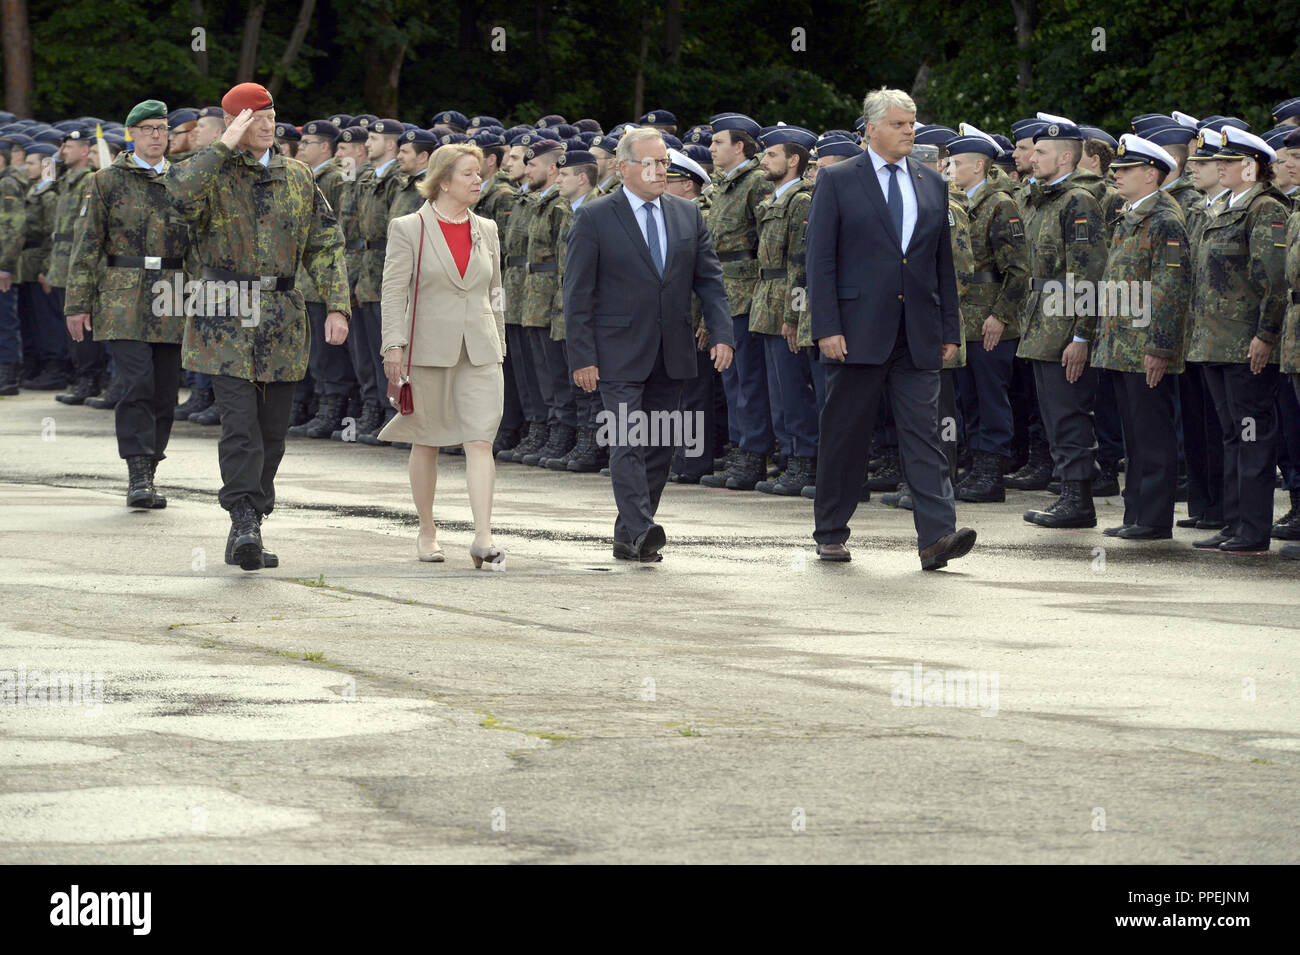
(317, 169)
(636, 202)
(880, 163)
(574, 203)
(140, 162)
(265, 158)
(1232, 200)
(1132, 206)
(776, 193)
(1055, 181)
(380, 170)
(970, 193)
(1210, 200)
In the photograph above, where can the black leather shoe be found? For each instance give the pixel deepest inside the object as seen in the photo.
(809, 491)
(1115, 531)
(1209, 524)
(1212, 543)
(1188, 522)
(624, 551)
(836, 553)
(1238, 545)
(647, 546)
(1139, 532)
(1290, 551)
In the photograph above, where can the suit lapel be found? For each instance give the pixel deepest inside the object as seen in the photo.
(923, 203)
(623, 209)
(671, 228)
(436, 242)
(870, 183)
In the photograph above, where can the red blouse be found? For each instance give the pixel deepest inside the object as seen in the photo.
(458, 241)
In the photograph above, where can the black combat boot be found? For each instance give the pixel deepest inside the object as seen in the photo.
(900, 498)
(139, 488)
(800, 473)
(889, 475)
(298, 414)
(85, 387)
(722, 475)
(245, 528)
(365, 423)
(53, 377)
(1287, 527)
(594, 457)
(159, 502)
(983, 483)
(1106, 483)
(505, 440)
(329, 416)
(583, 441)
(208, 416)
(200, 399)
(751, 468)
(1036, 472)
(10, 375)
(371, 437)
(558, 443)
(269, 560)
(538, 434)
(107, 399)
(1072, 509)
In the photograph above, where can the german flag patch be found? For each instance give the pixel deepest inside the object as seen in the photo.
(1173, 253)
(1081, 231)
(1279, 234)
(1017, 227)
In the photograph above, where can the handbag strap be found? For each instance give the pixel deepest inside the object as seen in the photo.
(419, 257)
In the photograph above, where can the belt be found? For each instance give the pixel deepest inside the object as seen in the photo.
(977, 278)
(765, 274)
(34, 245)
(376, 243)
(267, 283)
(513, 260)
(61, 236)
(150, 263)
(543, 267)
(356, 245)
(737, 256)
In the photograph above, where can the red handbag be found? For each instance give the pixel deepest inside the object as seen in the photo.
(399, 396)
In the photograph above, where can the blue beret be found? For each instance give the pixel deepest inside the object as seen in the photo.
(321, 127)
(577, 157)
(517, 137)
(6, 116)
(342, 120)
(479, 121)
(1275, 136)
(700, 135)
(836, 143)
(51, 136)
(587, 126)
(117, 139)
(67, 124)
(448, 139)
(1171, 134)
(78, 134)
(671, 141)
(794, 135)
(450, 117)
(1286, 109)
(485, 139)
(735, 122)
(1217, 123)
(541, 147)
(606, 141)
(42, 149)
(658, 117)
(288, 132)
(699, 153)
(180, 117)
(933, 135)
(550, 119)
(587, 137)
(387, 127)
(1025, 128)
(573, 142)
(22, 140)
(1096, 132)
(419, 137)
(620, 128)
(354, 134)
(1144, 121)
(566, 130)
(365, 120)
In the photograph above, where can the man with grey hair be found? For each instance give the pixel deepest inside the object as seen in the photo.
(882, 290)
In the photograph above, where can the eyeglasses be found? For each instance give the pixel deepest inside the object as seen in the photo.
(647, 162)
(150, 130)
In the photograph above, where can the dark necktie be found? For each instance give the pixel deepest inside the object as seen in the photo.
(652, 237)
(894, 199)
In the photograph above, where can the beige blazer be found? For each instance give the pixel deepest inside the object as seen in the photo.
(452, 309)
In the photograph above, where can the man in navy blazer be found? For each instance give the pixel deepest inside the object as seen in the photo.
(633, 259)
(883, 294)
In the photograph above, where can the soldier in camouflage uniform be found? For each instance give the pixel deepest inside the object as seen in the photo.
(605, 148)
(355, 168)
(550, 217)
(733, 227)
(995, 292)
(74, 185)
(782, 224)
(1289, 347)
(1149, 270)
(256, 218)
(1238, 305)
(686, 178)
(1067, 248)
(1175, 138)
(13, 228)
(329, 366)
(41, 322)
(374, 200)
(514, 250)
(181, 125)
(125, 286)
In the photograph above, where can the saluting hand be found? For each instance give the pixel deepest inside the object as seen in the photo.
(235, 131)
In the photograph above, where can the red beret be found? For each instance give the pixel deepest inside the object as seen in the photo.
(246, 96)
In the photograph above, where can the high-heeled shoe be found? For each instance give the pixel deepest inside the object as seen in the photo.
(487, 558)
(435, 556)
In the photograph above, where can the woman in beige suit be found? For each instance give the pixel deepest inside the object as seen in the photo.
(459, 337)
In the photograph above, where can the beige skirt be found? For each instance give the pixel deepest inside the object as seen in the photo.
(452, 405)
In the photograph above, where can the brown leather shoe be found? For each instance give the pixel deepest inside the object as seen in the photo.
(946, 548)
(835, 552)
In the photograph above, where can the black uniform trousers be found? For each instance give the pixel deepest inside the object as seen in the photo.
(1202, 446)
(1151, 477)
(254, 422)
(699, 401)
(1247, 408)
(374, 340)
(520, 355)
(150, 375)
(563, 409)
(1067, 418)
(363, 365)
(330, 365)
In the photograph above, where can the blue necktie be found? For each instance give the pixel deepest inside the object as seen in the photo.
(652, 237)
(895, 201)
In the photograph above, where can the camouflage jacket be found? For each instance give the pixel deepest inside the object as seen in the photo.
(1107, 196)
(494, 201)
(782, 274)
(38, 225)
(73, 189)
(514, 252)
(697, 305)
(1000, 276)
(733, 227)
(407, 199)
(329, 180)
(1289, 349)
(1293, 197)
(1149, 271)
(349, 192)
(13, 221)
(374, 200)
(255, 220)
(551, 214)
(1239, 291)
(1067, 247)
(963, 260)
(1183, 192)
(128, 210)
(610, 184)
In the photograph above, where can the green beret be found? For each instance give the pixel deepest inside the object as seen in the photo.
(149, 109)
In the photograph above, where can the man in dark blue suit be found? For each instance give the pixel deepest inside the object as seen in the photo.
(633, 259)
(883, 295)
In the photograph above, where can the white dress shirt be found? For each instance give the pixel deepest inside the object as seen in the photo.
(905, 186)
(140, 162)
(636, 202)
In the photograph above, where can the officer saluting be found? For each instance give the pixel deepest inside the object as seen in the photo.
(1144, 347)
(256, 218)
